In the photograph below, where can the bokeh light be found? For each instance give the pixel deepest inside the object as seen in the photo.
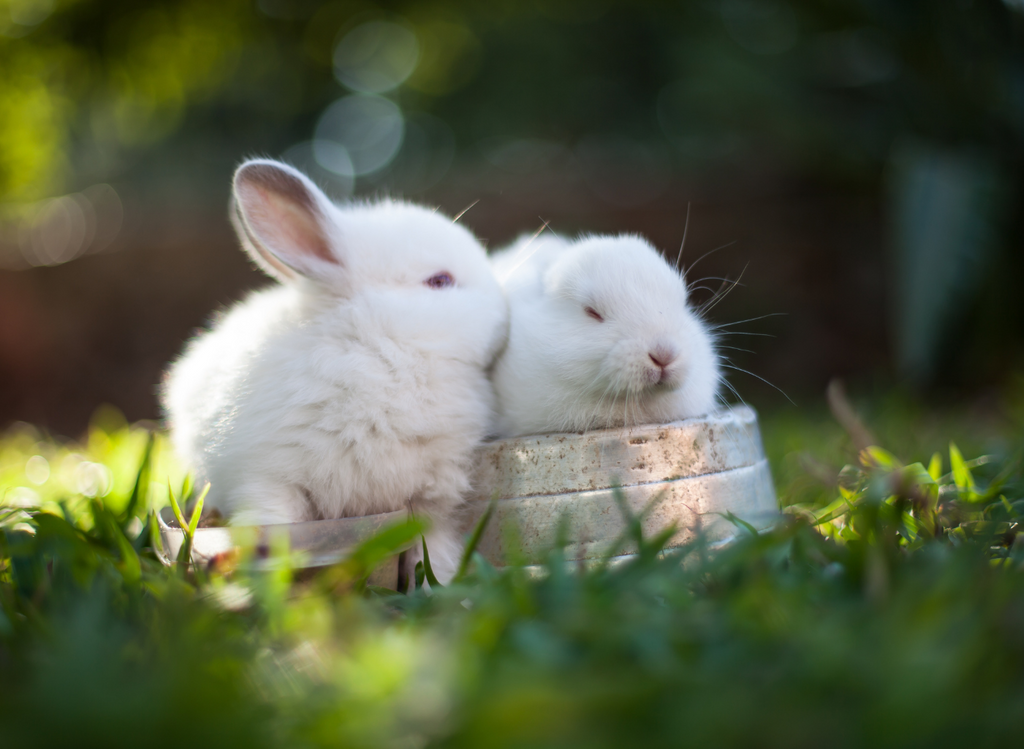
(25, 13)
(58, 230)
(449, 57)
(368, 128)
(338, 178)
(376, 57)
(37, 469)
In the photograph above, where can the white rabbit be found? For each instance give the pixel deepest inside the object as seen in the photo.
(356, 386)
(600, 335)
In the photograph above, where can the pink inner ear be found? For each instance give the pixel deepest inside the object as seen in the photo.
(286, 220)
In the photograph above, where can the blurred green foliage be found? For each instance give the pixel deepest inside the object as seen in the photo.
(84, 80)
(918, 105)
(821, 85)
(887, 610)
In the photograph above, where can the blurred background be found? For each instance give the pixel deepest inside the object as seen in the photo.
(857, 161)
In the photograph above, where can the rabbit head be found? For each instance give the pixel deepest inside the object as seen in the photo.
(607, 333)
(417, 274)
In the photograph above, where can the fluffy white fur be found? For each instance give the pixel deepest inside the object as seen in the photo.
(353, 387)
(565, 370)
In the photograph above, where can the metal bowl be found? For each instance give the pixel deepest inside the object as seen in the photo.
(688, 474)
(317, 543)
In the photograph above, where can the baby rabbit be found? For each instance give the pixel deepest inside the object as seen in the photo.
(600, 335)
(355, 386)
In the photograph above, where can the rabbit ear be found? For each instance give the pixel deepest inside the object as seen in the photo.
(281, 217)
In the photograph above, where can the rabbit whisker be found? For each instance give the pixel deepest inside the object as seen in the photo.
(719, 278)
(463, 212)
(718, 294)
(709, 252)
(735, 348)
(700, 288)
(735, 392)
(749, 319)
(720, 333)
(719, 297)
(762, 379)
(526, 255)
(686, 228)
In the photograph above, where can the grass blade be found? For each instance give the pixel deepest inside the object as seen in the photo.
(427, 569)
(184, 554)
(383, 545)
(634, 528)
(139, 542)
(474, 539)
(139, 491)
(174, 506)
(155, 539)
(197, 512)
(740, 523)
(961, 473)
(656, 544)
(131, 567)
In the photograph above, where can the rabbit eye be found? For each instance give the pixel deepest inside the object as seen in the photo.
(440, 280)
(593, 313)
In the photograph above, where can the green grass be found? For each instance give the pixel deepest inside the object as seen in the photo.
(887, 610)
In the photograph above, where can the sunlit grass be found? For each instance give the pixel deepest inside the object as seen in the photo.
(37, 472)
(885, 610)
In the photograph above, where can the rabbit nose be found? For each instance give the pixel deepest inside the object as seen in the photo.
(662, 357)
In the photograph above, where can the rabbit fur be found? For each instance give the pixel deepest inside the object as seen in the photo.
(600, 335)
(355, 386)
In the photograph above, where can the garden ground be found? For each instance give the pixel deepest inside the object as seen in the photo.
(887, 609)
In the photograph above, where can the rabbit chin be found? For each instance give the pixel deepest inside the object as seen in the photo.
(573, 409)
(654, 403)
